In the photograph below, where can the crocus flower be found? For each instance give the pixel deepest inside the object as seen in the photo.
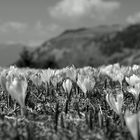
(132, 80)
(16, 86)
(134, 85)
(67, 85)
(3, 79)
(85, 83)
(115, 104)
(36, 79)
(114, 72)
(135, 90)
(106, 69)
(46, 75)
(71, 73)
(56, 79)
(126, 70)
(135, 67)
(132, 122)
(117, 74)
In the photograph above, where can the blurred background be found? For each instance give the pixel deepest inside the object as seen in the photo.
(60, 33)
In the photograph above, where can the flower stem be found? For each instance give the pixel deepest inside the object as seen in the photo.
(23, 111)
(122, 120)
(137, 104)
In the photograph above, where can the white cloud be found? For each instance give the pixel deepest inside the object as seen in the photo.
(11, 42)
(34, 43)
(80, 8)
(39, 28)
(45, 29)
(40, 32)
(132, 19)
(13, 26)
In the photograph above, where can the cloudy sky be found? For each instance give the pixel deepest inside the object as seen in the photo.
(34, 21)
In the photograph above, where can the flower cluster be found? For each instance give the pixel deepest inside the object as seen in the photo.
(14, 81)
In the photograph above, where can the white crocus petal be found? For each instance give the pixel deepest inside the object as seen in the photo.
(135, 90)
(132, 90)
(117, 76)
(132, 123)
(67, 85)
(82, 86)
(116, 105)
(89, 83)
(127, 80)
(54, 81)
(106, 69)
(71, 73)
(132, 80)
(120, 77)
(137, 87)
(85, 83)
(46, 75)
(119, 102)
(135, 67)
(17, 87)
(111, 101)
(36, 79)
(64, 86)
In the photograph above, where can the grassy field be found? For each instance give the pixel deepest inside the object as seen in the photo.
(70, 104)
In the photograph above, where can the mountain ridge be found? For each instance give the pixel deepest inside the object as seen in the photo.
(89, 46)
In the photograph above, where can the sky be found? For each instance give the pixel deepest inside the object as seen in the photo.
(31, 22)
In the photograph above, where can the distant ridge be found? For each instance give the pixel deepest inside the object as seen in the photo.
(90, 46)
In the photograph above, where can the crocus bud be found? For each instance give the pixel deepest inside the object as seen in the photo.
(132, 122)
(116, 105)
(16, 87)
(67, 85)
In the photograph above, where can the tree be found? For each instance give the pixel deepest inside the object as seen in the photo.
(25, 59)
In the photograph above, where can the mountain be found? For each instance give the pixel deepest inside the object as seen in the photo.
(88, 46)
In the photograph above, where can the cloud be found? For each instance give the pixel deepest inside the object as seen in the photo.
(132, 19)
(80, 8)
(13, 26)
(39, 28)
(34, 43)
(45, 29)
(41, 32)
